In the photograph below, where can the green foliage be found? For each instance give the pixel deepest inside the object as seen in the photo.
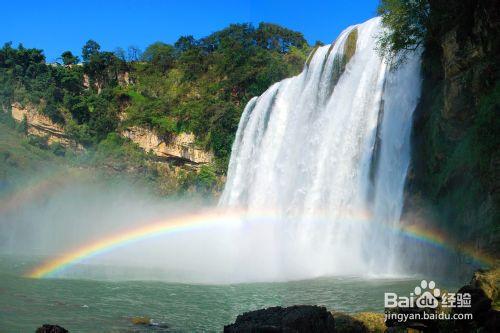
(160, 55)
(90, 49)
(53, 113)
(195, 85)
(18, 156)
(486, 128)
(186, 180)
(454, 168)
(22, 127)
(68, 58)
(118, 150)
(206, 178)
(57, 149)
(201, 86)
(406, 23)
(274, 37)
(40, 142)
(202, 181)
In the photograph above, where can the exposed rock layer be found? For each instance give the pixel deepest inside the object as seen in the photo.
(181, 146)
(41, 125)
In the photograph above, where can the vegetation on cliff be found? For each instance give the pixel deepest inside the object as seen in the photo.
(407, 23)
(454, 174)
(198, 86)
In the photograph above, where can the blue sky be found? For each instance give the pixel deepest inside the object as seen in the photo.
(56, 26)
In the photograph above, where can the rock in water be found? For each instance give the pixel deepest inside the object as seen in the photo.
(297, 318)
(47, 328)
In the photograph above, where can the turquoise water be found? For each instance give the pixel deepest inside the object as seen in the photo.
(107, 306)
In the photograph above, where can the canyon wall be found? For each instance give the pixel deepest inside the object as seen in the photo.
(454, 182)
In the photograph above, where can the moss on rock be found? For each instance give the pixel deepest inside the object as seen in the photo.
(350, 45)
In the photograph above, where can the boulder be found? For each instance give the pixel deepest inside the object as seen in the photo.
(47, 328)
(489, 282)
(415, 322)
(297, 318)
(483, 289)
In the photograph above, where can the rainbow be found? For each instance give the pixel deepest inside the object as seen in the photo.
(111, 242)
(438, 239)
(212, 218)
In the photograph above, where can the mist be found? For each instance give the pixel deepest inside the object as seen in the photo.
(69, 211)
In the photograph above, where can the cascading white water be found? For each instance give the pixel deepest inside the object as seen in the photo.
(327, 152)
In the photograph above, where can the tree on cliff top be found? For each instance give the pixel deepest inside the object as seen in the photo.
(68, 58)
(405, 23)
(90, 49)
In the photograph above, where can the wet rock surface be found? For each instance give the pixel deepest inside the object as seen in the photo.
(47, 328)
(483, 289)
(297, 318)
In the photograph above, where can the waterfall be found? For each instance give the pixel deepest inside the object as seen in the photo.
(327, 152)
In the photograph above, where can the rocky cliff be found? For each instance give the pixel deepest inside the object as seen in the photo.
(41, 125)
(454, 177)
(179, 147)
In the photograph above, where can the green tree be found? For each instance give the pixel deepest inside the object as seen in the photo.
(406, 23)
(119, 52)
(90, 49)
(274, 37)
(185, 43)
(68, 58)
(133, 53)
(160, 55)
(206, 178)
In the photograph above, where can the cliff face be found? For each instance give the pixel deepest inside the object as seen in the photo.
(40, 125)
(179, 147)
(454, 177)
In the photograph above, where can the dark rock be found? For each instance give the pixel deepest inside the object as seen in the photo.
(455, 189)
(297, 318)
(483, 289)
(420, 324)
(47, 328)
(488, 281)
(492, 323)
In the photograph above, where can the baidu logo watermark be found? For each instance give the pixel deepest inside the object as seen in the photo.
(426, 302)
(426, 295)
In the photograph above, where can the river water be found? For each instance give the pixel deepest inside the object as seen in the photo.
(108, 306)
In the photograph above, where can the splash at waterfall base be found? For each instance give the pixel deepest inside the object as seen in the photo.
(246, 227)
